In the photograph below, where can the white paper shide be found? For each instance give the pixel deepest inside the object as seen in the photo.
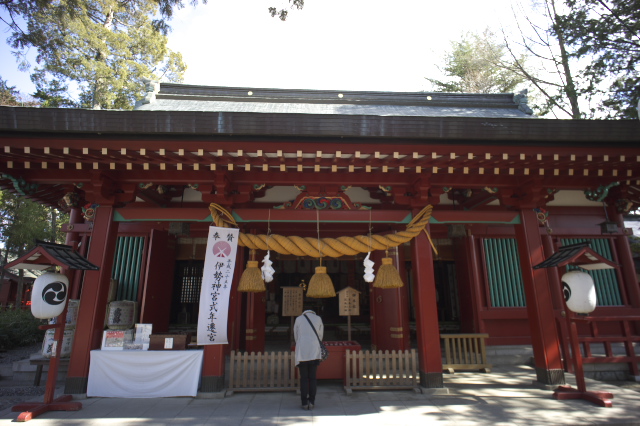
(219, 264)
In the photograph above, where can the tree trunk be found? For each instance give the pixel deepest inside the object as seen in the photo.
(20, 289)
(569, 88)
(54, 233)
(98, 87)
(4, 262)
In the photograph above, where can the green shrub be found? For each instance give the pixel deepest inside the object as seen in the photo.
(19, 328)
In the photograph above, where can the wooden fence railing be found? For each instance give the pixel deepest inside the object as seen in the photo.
(465, 352)
(625, 335)
(382, 370)
(270, 371)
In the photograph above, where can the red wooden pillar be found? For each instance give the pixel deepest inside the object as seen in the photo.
(544, 334)
(625, 257)
(256, 321)
(553, 274)
(469, 285)
(428, 332)
(390, 308)
(157, 286)
(72, 239)
(213, 362)
(93, 300)
(235, 307)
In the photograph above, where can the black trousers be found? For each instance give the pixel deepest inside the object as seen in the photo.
(308, 381)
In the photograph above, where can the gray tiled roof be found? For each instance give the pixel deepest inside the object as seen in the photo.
(179, 97)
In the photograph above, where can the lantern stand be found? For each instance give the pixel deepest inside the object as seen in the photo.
(43, 257)
(582, 256)
(600, 398)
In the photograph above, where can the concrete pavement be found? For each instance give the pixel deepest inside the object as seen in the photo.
(506, 396)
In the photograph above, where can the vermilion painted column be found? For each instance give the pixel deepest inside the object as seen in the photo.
(93, 300)
(544, 334)
(72, 239)
(428, 332)
(625, 257)
(213, 363)
(256, 321)
(390, 308)
(235, 307)
(471, 297)
(553, 274)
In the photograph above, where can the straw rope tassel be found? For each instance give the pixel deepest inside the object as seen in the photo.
(320, 285)
(251, 280)
(388, 276)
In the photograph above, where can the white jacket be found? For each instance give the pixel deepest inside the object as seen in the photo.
(307, 345)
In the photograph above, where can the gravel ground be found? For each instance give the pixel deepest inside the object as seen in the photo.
(9, 393)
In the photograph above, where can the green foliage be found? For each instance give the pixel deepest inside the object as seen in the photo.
(104, 48)
(478, 64)
(8, 94)
(51, 94)
(19, 328)
(22, 221)
(607, 33)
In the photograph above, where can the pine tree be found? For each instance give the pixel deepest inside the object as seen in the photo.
(607, 33)
(105, 48)
(477, 64)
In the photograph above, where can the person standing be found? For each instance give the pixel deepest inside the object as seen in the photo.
(308, 354)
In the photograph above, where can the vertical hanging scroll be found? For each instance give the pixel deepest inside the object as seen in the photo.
(219, 264)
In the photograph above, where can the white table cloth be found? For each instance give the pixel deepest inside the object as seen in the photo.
(144, 374)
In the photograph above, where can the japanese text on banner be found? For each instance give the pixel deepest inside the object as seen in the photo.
(219, 264)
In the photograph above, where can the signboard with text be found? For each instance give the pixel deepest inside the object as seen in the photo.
(292, 300)
(349, 302)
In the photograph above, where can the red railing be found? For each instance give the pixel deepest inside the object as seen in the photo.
(626, 333)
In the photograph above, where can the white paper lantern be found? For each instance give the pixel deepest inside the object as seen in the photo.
(579, 292)
(49, 295)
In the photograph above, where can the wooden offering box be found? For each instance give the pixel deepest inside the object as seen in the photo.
(335, 366)
(168, 342)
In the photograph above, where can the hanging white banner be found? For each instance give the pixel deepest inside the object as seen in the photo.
(219, 264)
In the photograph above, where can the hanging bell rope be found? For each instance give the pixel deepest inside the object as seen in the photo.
(251, 280)
(388, 276)
(320, 285)
(332, 247)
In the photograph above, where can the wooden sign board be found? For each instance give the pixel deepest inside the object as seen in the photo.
(349, 302)
(292, 298)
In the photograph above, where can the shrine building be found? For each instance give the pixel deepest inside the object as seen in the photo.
(502, 191)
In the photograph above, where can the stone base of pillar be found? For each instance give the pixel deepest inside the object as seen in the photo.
(431, 380)
(76, 385)
(550, 377)
(210, 384)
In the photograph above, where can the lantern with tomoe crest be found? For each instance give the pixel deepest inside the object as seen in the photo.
(579, 292)
(49, 295)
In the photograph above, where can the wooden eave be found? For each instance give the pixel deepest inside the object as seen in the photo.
(55, 148)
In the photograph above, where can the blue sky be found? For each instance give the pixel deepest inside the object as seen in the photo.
(330, 44)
